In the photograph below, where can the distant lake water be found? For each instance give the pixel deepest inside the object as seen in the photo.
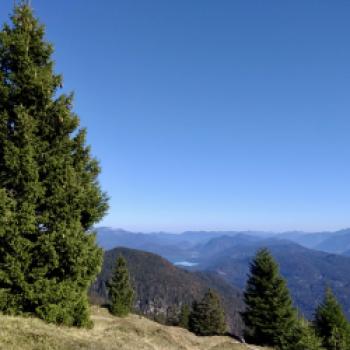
(185, 263)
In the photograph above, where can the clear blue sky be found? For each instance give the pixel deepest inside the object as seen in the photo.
(230, 114)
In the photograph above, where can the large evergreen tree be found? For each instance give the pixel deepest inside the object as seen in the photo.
(120, 289)
(207, 316)
(331, 324)
(49, 194)
(269, 316)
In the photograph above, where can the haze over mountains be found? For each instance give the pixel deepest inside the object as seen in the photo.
(309, 261)
(337, 242)
(332, 242)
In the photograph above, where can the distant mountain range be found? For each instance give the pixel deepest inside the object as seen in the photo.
(309, 261)
(337, 242)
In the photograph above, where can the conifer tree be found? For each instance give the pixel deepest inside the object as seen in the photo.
(184, 316)
(120, 290)
(49, 193)
(269, 316)
(304, 338)
(207, 316)
(331, 324)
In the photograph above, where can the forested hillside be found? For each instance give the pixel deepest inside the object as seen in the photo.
(307, 271)
(161, 288)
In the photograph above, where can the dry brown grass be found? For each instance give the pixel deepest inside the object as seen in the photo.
(109, 333)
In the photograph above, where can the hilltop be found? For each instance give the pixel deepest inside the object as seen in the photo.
(112, 333)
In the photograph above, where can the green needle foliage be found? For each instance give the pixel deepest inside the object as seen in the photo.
(304, 338)
(269, 317)
(120, 290)
(331, 324)
(49, 193)
(207, 316)
(184, 316)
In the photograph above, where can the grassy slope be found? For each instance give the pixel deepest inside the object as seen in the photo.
(133, 332)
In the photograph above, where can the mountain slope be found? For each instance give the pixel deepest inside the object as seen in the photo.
(308, 272)
(308, 240)
(108, 333)
(171, 246)
(162, 288)
(109, 238)
(174, 247)
(339, 243)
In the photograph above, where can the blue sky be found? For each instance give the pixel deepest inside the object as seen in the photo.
(211, 114)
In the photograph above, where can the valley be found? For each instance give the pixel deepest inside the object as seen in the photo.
(227, 255)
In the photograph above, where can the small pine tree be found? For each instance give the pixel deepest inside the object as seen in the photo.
(304, 338)
(184, 316)
(331, 324)
(49, 193)
(207, 316)
(269, 317)
(120, 290)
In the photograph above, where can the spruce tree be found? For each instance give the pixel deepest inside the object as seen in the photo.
(269, 316)
(304, 338)
(49, 194)
(207, 316)
(331, 324)
(184, 316)
(120, 290)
